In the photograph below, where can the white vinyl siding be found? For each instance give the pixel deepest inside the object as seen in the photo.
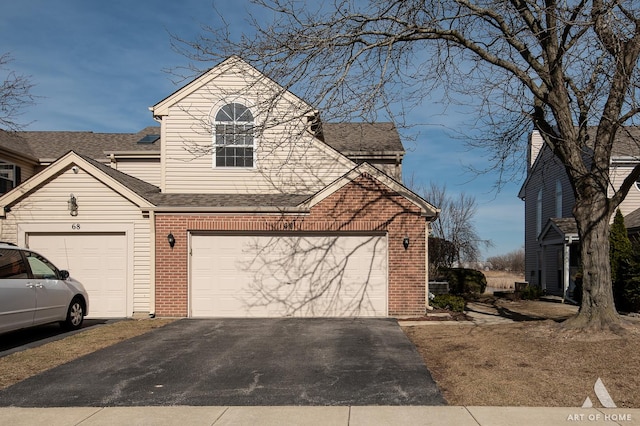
(146, 169)
(632, 200)
(287, 157)
(100, 209)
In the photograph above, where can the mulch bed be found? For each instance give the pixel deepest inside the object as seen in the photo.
(440, 315)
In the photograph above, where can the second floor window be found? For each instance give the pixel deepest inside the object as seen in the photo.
(539, 213)
(9, 176)
(559, 198)
(233, 136)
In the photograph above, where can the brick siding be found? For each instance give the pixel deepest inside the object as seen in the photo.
(363, 206)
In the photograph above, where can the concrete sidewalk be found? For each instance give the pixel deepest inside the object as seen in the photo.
(314, 415)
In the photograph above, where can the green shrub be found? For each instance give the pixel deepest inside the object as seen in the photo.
(625, 267)
(464, 281)
(531, 292)
(631, 295)
(448, 301)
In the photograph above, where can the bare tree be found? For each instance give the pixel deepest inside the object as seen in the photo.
(442, 254)
(562, 65)
(512, 261)
(455, 222)
(15, 94)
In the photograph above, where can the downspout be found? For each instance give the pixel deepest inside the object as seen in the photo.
(543, 268)
(152, 264)
(427, 232)
(565, 267)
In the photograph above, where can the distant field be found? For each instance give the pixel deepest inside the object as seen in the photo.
(502, 280)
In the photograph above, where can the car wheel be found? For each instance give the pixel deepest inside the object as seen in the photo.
(75, 315)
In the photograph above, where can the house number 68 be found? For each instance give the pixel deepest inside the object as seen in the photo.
(75, 226)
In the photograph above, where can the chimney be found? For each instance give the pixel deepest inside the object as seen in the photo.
(535, 145)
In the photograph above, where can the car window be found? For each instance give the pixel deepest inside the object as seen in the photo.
(12, 265)
(40, 267)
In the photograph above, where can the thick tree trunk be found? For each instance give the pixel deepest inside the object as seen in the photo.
(597, 311)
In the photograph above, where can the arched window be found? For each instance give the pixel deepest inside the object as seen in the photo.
(539, 213)
(558, 198)
(233, 136)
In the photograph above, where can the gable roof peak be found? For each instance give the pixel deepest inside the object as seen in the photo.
(233, 64)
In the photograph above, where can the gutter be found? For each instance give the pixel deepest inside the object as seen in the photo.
(134, 154)
(227, 209)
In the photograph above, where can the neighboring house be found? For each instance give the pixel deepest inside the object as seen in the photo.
(234, 206)
(552, 252)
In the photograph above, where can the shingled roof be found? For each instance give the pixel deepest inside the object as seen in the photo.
(140, 187)
(566, 225)
(152, 194)
(627, 142)
(346, 138)
(632, 220)
(228, 200)
(354, 138)
(47, 145)
(16, 143)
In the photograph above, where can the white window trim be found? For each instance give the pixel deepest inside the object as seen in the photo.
(212, 115)
(12, 172)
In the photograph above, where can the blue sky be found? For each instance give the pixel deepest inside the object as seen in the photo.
(99, 66)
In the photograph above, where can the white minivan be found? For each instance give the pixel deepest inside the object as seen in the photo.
(34, 292)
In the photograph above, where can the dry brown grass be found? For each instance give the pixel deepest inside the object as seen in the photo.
(502, 280)
(22, 365)
(531, 363)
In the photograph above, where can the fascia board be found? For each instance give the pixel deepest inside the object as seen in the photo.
(162, 107)
(549, 226)
(231, 210)
(532, 171)
(12, 156)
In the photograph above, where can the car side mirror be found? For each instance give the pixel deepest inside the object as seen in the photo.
(64, 275)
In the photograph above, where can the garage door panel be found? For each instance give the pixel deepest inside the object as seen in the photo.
(288, 276)
(98, 261)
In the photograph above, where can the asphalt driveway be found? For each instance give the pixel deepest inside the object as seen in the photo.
(242, 362)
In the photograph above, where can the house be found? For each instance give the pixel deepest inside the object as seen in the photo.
(552, 252)
(242, 202)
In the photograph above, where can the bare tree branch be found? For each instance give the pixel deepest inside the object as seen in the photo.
(567, 67)
(15, 94)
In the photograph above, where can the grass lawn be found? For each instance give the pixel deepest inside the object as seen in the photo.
(530, 363)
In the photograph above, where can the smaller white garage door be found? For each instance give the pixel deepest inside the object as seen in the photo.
(97, 260)
(275, 276)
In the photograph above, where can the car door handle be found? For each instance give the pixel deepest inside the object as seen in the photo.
(36, 285)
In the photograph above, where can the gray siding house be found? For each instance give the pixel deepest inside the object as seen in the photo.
(552, 257)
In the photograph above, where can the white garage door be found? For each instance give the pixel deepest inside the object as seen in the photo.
(263, 276)
(98, 261)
